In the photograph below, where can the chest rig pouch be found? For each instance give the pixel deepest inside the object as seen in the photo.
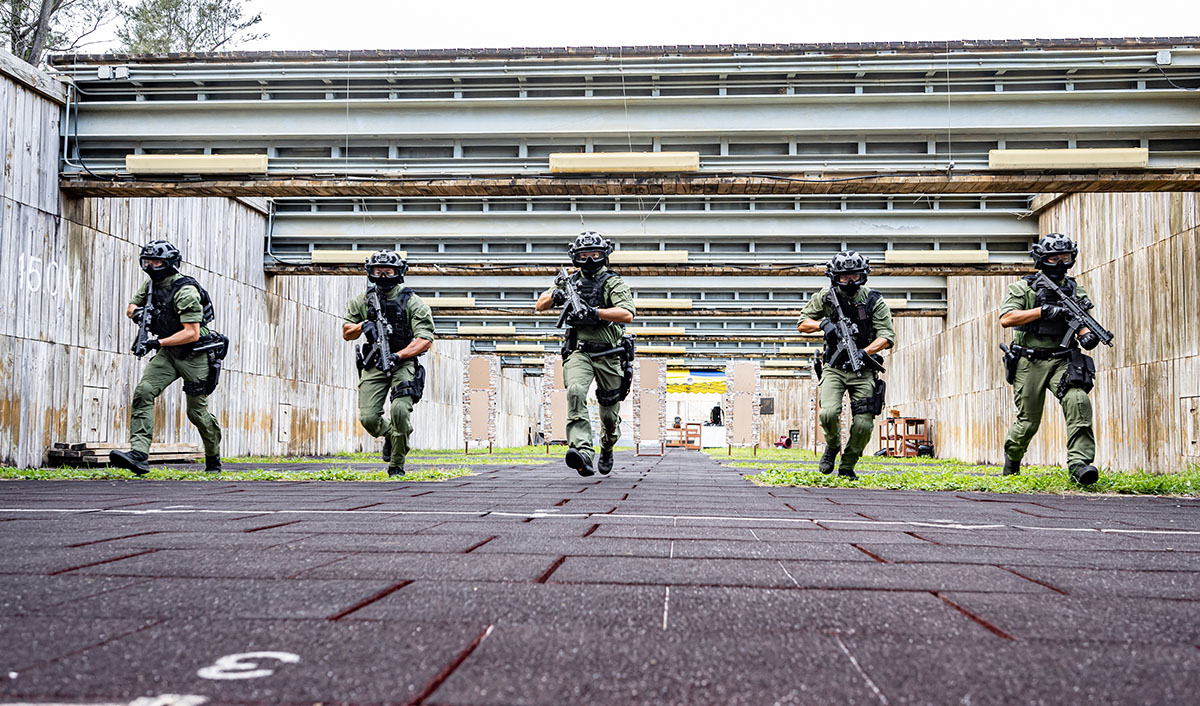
(1042, 327)
(860, 314)
(1081, 373)
(396, 311)
(166, 318)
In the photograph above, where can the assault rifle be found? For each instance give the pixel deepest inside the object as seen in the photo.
(144, 315)
(845, 346)
(574, 304)
(376, 351)
(1080, 318)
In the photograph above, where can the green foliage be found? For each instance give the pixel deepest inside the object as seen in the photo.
(31, 28)
(331, 473)
(159, 26)
(950, 476)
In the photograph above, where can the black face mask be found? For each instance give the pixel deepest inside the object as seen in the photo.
(387, 284)
(1056, 272)
(591, 267)
(158, 275)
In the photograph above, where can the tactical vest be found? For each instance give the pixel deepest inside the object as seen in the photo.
(861, 315)
(1042, 327)
(396, 312)
(166, 318)
(591, 289)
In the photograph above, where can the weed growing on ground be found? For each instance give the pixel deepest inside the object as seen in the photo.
(258, 474)
(1031, 480)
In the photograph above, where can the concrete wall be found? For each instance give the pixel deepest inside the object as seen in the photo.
(1138, 260)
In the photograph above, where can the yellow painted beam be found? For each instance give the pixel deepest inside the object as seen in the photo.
(529, 360)
(342, 257)
(1076, 158)
(657, 331)
(936, 257)
(656, 303)
(662, 350)
(623, 162)
(196, 163)
(487, 330)
(779, 363)
(799, 350)
(448, 302)
(649, 257)
(520, 348)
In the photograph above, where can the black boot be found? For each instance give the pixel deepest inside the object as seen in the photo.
(828, 458)
(1012, 467)
(580, 461)
(847, 473)
(1085, 474)
(605, 464)
(387, 449)
(135, 461)
(212, 464)
(395, 471)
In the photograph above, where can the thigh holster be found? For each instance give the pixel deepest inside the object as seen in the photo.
(1081, 373)
(872, 404)
(414, 388)
(216, 346)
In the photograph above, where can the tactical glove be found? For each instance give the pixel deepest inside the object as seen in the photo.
(1089, 341)
(560, 280)
(586, 316)
(828, 328)
(153, 345)
(1050, 312)
(559, 297)
(370, 330)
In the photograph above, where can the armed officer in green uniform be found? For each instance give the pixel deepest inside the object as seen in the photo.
(596, 348)
(1045, 355)
(399, 328)
(176, 309)
(857, 324)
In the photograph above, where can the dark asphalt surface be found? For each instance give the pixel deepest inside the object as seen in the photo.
(674, 581)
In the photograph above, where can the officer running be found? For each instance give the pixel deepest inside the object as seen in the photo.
(177, 311)
(596, 348)
(406, 333)
(1038, 360)
(872, 331)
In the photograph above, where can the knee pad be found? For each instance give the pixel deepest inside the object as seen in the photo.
(829, 416)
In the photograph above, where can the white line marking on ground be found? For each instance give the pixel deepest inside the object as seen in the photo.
(867, 679)
(666, 606)
(480, 514)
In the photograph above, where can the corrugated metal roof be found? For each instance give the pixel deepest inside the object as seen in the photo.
(986, 45)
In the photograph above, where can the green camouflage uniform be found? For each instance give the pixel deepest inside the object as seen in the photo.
(373, 384)
(168, 365)
(1032, 380)
(836, 382)
(580, 369)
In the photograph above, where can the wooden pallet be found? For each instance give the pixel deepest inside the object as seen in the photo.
(96, 454)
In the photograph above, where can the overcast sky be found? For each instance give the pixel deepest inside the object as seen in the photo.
(400, 24)
(404, 24)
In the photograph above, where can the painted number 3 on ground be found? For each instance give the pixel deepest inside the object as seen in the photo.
(244, 665)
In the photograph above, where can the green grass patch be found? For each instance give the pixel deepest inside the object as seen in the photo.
(257, 474)
(1037, 479)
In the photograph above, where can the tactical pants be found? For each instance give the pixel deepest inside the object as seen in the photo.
(578, 372)
(834, 385)
(1033, 378)
(166, 367)
(373, 388)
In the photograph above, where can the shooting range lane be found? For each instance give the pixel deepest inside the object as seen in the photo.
(672, 581)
